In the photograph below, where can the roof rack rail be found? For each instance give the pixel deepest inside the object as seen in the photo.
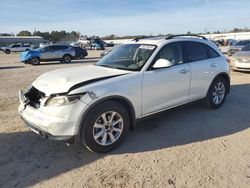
(186, 35)
(139, 38)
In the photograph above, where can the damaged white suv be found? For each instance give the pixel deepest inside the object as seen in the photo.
(97, 104)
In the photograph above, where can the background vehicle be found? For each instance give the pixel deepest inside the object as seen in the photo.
(17, 48)
(80, 53)
(105, 53)
(97, 104)
(92, 43)
(237, 46)
(241, 60)
(63, 53)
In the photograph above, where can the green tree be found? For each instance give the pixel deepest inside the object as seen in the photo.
(24, 33)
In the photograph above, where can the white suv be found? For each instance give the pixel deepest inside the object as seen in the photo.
(97, 104)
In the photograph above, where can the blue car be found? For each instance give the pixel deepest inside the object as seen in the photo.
(63, 53)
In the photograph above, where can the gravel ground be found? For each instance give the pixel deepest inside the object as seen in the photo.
(189, 146)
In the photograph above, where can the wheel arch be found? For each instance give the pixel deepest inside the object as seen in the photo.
(67, 54)
(225, 76)
(119, 99)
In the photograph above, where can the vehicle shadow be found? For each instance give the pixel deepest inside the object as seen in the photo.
(11, 67)
(27, 159)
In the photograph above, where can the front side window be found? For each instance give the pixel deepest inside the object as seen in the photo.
(128, 57)
(171, 52)
(16, 46)
(196, 51)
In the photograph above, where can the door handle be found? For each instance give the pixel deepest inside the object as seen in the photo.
(213, 65)
(184, 71)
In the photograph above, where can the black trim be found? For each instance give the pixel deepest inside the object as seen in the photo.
(91, 81)
(185, 35)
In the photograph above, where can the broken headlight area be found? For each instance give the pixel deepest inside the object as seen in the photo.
(62, 100)
(34, 97)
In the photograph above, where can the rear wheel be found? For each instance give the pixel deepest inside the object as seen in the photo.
(35, 61)
(67, 58)
(81, 56)
(105, 127)
(217, 93)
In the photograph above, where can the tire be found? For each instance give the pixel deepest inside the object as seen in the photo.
(67, 58)
(104, 141)
(27, 50)
(35, 61)
(7, 51)
(81, 56)
(217, 92)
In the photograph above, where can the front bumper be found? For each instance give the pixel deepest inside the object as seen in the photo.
(58, 123)
(240, 66)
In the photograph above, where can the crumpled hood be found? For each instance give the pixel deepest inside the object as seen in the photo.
(29, 54)
(61, 80)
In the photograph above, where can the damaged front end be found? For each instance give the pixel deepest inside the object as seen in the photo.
(54, 117)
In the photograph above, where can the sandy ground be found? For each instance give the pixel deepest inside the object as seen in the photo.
(190, 146)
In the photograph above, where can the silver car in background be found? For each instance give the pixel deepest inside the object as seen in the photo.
(237, 46)
(241, 60)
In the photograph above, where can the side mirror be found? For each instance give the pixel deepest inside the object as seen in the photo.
(162, 63)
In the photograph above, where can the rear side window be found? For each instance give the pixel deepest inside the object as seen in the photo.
(212, 53)
(58, 48)
(196, 51)
(16, 46)
(62, 47)
(246, 48)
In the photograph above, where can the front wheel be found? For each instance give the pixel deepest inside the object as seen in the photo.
(35, 61)
(104, 127)
(217, 93)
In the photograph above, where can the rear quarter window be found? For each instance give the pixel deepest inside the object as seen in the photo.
(196, 51)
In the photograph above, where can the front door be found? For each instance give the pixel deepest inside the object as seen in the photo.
(166, 87)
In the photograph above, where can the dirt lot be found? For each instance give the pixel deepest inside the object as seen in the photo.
(185, 147)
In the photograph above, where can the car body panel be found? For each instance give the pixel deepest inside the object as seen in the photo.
(148, 91)
(241, 61)
(61, 80)
(159, 89)
(47, 53)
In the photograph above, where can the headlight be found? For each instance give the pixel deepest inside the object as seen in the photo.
(62, 100)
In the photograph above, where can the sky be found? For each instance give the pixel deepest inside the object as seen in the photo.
(124, 17)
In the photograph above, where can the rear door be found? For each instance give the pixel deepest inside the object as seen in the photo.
(204, 63)
(47, 53)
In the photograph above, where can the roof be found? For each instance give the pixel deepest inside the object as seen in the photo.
(160, 40)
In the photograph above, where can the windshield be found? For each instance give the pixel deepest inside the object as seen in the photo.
(128, 57)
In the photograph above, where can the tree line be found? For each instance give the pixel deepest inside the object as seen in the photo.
(53, 36)
(57, 36)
